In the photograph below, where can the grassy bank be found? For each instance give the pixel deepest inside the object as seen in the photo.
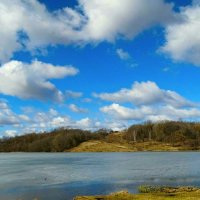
(103, 146)
(151, 193)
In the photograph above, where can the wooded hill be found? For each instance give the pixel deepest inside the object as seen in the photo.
(175, 133)
(58, 140)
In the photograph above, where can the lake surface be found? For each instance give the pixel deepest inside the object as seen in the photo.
(49, 176)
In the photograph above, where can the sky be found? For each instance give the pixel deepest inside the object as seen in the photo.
(94, 64)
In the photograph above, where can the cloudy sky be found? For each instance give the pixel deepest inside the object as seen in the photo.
(94, 64)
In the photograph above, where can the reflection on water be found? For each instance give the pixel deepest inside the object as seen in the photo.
(65, 175)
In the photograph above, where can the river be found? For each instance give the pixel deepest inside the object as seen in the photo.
(61, 176)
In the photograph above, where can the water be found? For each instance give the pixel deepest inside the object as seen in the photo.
(64, 175)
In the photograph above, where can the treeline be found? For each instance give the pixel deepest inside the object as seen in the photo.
(176, 133)
(58, 140)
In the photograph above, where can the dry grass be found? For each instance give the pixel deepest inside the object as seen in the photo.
(184, 195)
(101, 146)
(104, 146)
(115, 143)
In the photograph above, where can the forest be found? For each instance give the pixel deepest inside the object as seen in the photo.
(172, 132)
(175, 133)
(57, 140)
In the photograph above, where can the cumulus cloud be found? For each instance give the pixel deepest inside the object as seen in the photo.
(149, 102)
(43, 121)
(145, 93)
(10, 133)
(85, 123)
(33, 120)
(53, 112)
(182, 38)
(117, 125)
(46, 121)
(31, 81)
(121, 112)
(38, 121)
(144, 113)
(76, 109)
(8, 117)
(28, 25)
(116, 19)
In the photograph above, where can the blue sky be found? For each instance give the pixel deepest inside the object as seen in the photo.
(97, 64)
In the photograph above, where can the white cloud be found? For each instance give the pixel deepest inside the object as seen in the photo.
(59, 121)
(116, 125)
(28, 25)
(76, 109)
(10, 133)
(3, 105)
(122, 113)
(182, 38)
(42, 121)
(144, 113)
(85, 123)
(145, 93)
(38, 121)
(31, 81)
(110, 19)
(149, 102)
(46, 121)
(91, 124)
(53, 112)
(123, 55)
(36, 23)
(8, 117)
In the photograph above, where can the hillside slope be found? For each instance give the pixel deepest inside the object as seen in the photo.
(103, 146)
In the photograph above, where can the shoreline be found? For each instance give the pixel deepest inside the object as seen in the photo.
(80, 152)
(150, 193)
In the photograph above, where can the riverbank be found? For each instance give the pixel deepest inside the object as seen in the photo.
(151, 193)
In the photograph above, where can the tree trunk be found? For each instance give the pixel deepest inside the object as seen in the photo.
(134, 136)
(149, 135)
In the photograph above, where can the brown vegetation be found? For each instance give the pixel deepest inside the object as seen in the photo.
(162, 136)
(151, 193)
(58, 140)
